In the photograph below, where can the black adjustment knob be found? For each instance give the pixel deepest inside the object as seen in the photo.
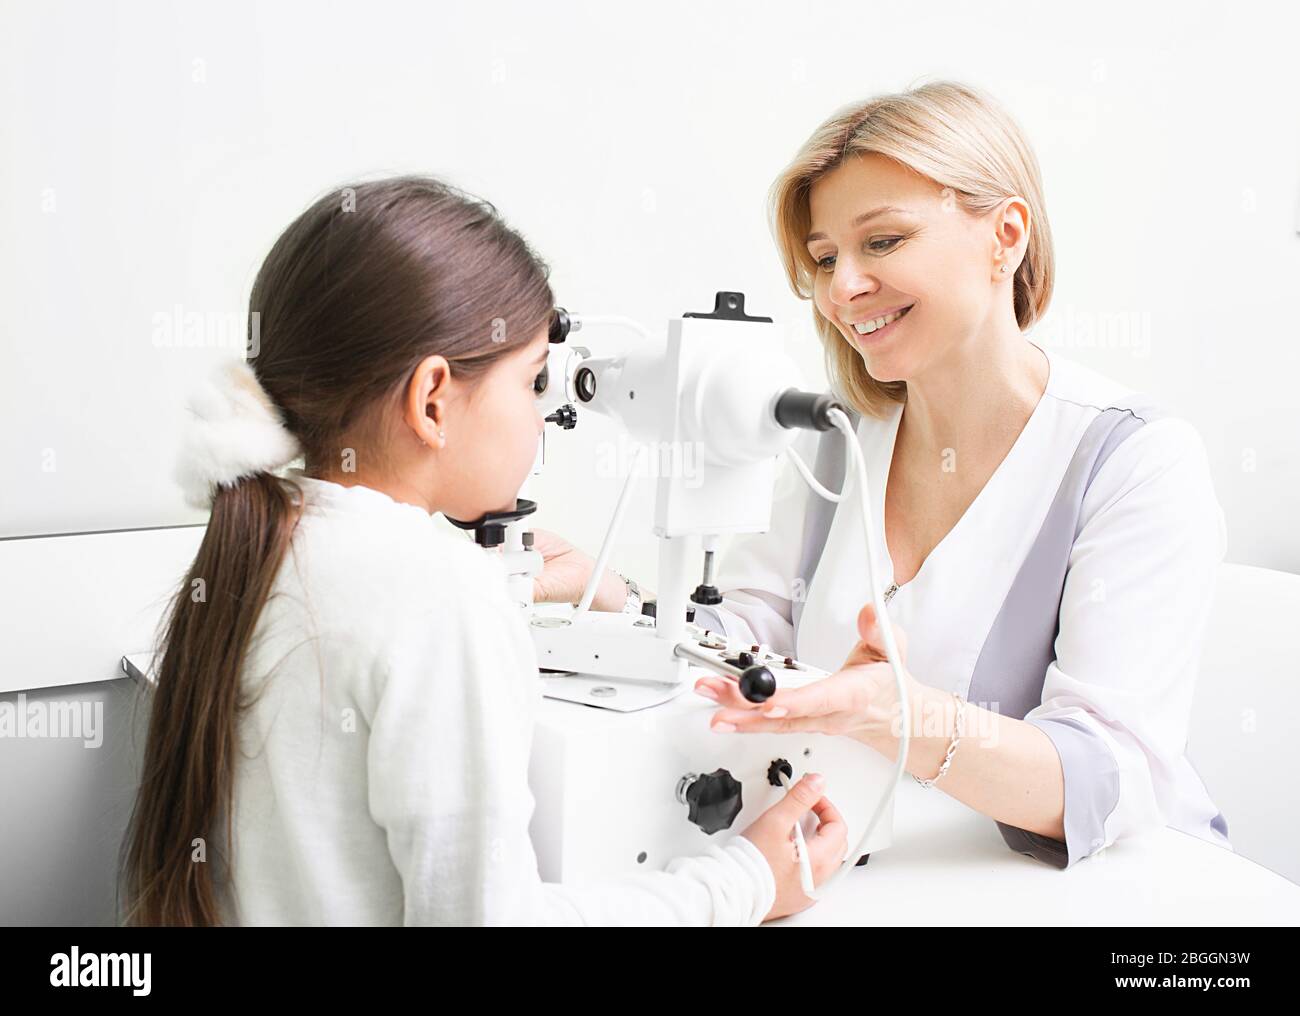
(774, 771)
(566, 417)
(706, 595)
(714, 800)
(757, 684)
(651, 609)
(528, 539)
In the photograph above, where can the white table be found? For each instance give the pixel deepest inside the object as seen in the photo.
(949, 865)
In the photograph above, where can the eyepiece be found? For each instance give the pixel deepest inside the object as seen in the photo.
(561, 325)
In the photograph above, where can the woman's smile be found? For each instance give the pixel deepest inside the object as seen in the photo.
(873, 331)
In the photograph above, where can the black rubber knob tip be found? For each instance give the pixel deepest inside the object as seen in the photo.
(757, 684)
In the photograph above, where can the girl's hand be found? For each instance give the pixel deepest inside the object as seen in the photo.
(773, 833)
(565, 571)
(859, 701)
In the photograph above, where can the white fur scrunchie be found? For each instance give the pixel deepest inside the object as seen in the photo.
(235, 431)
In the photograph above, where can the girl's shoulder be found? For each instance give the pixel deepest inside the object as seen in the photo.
(361, 561)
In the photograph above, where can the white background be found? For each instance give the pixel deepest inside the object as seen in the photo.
(151, 152)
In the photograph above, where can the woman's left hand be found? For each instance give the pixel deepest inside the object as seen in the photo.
(860, 700)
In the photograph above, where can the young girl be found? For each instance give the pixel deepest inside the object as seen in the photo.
(342, 722)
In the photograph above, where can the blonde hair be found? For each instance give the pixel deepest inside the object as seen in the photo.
(954, 135)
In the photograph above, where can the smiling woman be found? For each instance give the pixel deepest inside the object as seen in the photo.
(1051, 537)
(927, 174)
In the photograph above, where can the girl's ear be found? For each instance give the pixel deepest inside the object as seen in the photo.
(427, 395)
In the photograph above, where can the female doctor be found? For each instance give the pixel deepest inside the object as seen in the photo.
(1050, 538)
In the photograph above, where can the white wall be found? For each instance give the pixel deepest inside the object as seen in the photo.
(152, 151)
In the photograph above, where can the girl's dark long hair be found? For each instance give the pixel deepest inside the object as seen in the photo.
(361, 287)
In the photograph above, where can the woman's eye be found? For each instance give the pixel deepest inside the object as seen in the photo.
(540, 381)
(879, 245)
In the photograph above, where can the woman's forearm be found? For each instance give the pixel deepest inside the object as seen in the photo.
(1004, 768)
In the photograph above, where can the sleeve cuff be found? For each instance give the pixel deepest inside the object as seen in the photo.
(763, 871)
(1091, 793)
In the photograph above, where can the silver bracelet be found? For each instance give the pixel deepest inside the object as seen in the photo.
(952, 747)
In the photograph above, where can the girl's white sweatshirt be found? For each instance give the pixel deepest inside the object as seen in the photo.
(382, 776)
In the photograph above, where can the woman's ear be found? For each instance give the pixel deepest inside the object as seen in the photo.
(427, 395)
(1011, 237)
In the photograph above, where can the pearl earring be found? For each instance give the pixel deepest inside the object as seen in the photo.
(442, 435)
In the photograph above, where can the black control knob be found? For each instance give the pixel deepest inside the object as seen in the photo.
(706, 595)
(651, 609)
(713, 800)
(757, 684)
(566, 417)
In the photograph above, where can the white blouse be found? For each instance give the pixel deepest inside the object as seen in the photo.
(382, 776)
(1133, 611)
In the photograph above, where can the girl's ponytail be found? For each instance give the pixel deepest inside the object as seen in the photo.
(185, 788)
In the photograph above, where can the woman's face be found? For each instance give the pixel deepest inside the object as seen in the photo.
(923, 253)
(492, 426)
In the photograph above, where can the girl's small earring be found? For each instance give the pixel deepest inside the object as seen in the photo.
(1003, 268)
(442, 435)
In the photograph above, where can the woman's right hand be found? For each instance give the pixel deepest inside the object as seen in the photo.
(773, 833)
(565, 571)
(860, 701)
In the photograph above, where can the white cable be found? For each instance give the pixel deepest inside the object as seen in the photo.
(801, 847)
(611, 534)
(811, 480)
(858, 469)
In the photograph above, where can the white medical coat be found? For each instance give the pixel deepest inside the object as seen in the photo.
(1134, 604)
